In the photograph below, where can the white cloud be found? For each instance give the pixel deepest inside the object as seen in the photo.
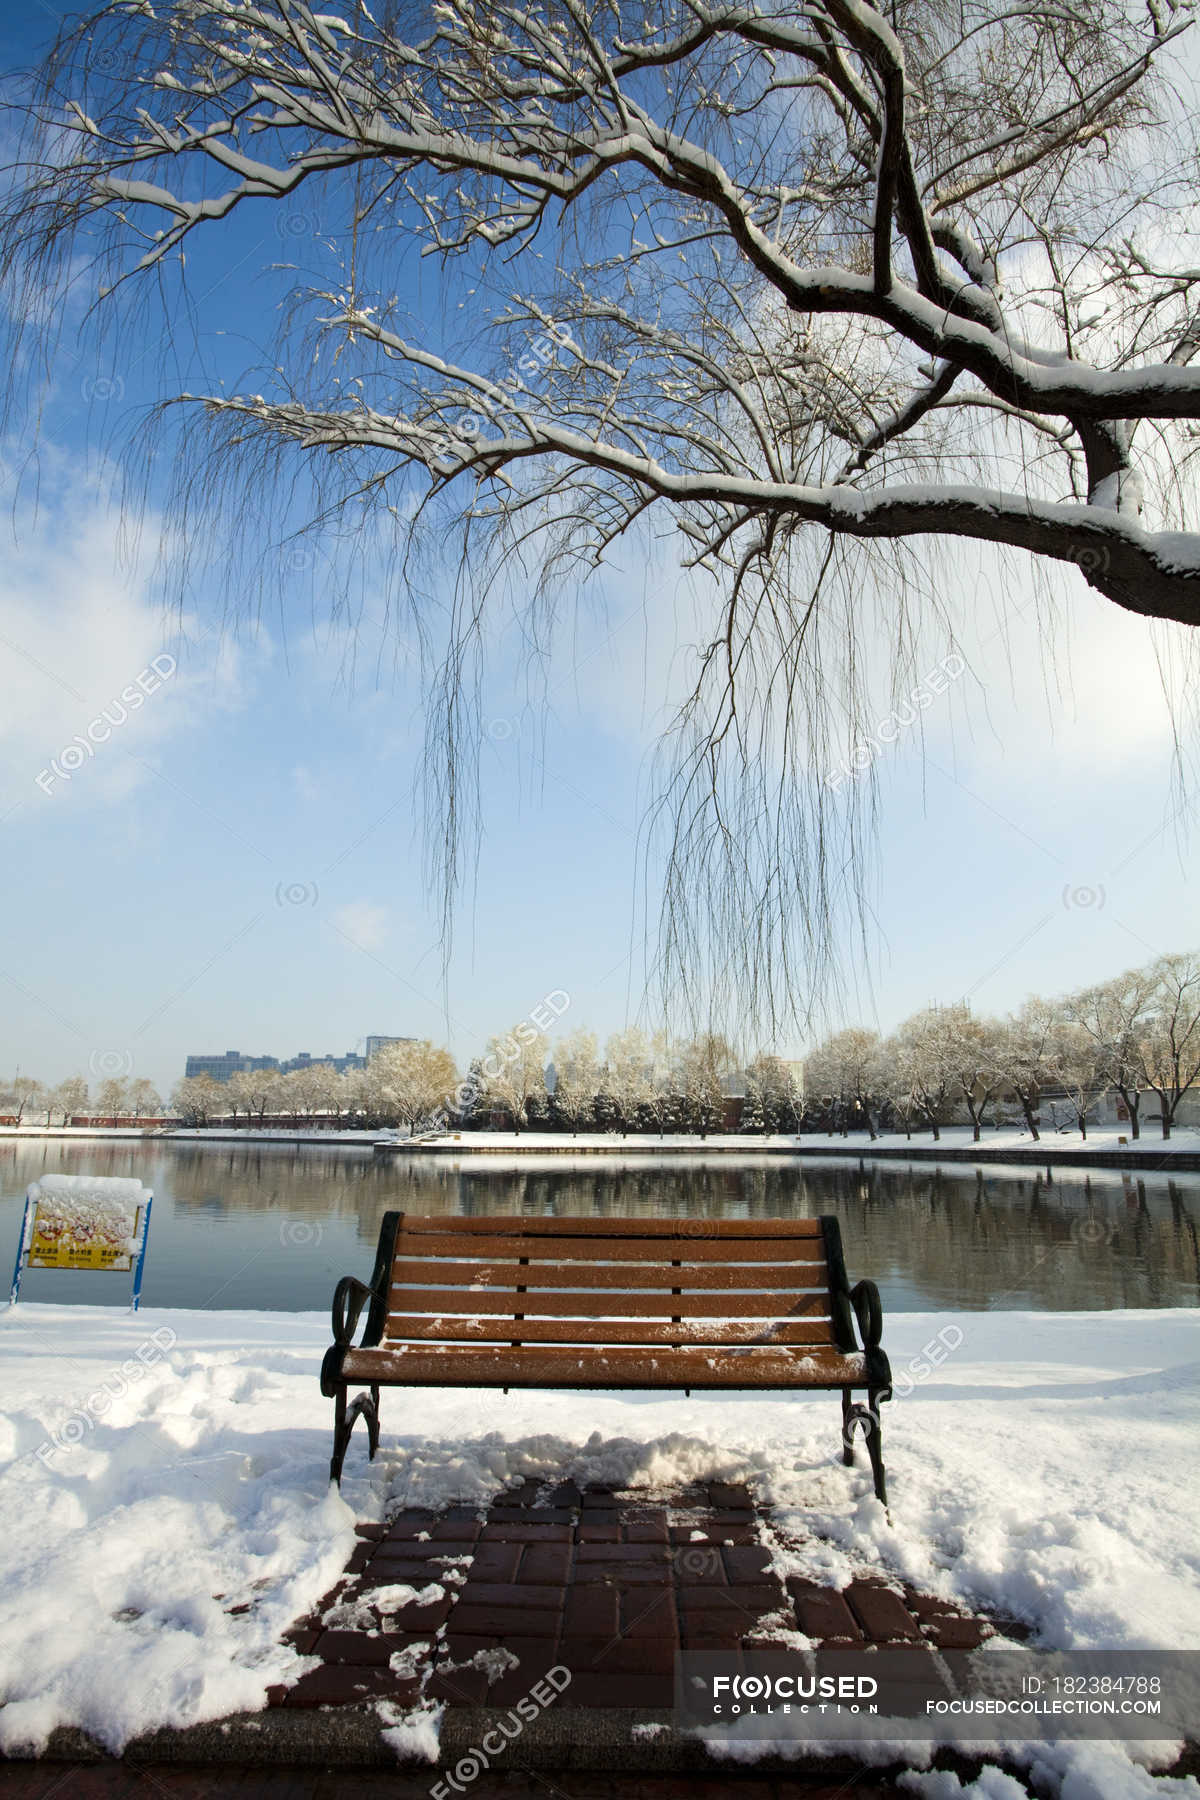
(366, 925)
(93, 675)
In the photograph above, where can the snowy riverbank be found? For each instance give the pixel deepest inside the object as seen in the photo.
(1107, 1146)
(1104, 1146)
(166, 1513)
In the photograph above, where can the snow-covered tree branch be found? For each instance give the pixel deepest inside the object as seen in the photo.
(788, 280)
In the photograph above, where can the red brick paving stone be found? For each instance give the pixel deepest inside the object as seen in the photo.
(341, 1684)
(623, 1575)
(721, 1524)
(598, 1496)
(540, 1562)
(408, 1550)
(301, 1638)
(753, 1601)
(655, 1552)
(426, 1617)
(500, 1621)
(523, 1494)
(949, 1632)
(381, 1575)
(408, 1523)
(530, 1515)
(498, 1562)
(715, 1629)
(460, 1526)
(459, 1648)
(644, 1615)
(620, 1690)
(882, 1614)
(391, 1572)
(591, 1612)
(925, 1606)
(698, 1565)
(536, 1656)
(525, 1534)
(598, 1534)
(369, 1649)
(903, 1664)
(821, 1612)
(744, 1563)
(646, 1531)
(361, 1555)
(458, 1687)
(511, 1593)
(726, 1496)
(371, 1531)
(617, 1655)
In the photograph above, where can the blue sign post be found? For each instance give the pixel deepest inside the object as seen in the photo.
(84, 1222)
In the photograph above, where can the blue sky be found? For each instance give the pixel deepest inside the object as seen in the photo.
(241, 865)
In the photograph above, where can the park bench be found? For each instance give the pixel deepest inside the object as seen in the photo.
(607, 1303)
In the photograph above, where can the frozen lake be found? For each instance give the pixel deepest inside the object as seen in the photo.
(274, 1227)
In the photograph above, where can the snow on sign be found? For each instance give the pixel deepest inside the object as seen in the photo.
(94, 1222)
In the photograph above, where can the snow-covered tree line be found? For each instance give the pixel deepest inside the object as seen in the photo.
(31, 1102)
(1050, 1062)
(638, 1081)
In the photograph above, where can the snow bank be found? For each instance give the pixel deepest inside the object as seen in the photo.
(1047, 1468)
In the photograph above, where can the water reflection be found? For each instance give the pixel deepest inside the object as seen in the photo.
(274, 1227)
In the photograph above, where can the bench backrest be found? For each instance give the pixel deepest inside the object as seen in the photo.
(578, 1281)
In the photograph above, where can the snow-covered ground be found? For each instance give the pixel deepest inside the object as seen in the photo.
(159, 1470)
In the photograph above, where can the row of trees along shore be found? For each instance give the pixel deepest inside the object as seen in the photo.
(1136, 1035)
(28, 1101)
(1052, 1060)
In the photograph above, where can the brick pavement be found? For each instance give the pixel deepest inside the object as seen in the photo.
(471, 1608)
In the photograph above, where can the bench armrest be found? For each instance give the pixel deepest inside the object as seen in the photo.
(868, 1310)
(349, 1298)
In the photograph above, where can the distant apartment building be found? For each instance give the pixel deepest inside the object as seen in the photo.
(375, 1044)
(220, 1066)
(230, 1062)
(304, 1059)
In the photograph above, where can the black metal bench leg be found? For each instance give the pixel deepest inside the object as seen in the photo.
(340, 1436)
(874, 1436)
(855, 1413)
(363, 1406)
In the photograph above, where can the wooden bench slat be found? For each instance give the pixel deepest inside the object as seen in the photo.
(557, 1305)
(500, 1224)
(474, 1330)
(595, 1249)
(482, 1277)
(463, 1366)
